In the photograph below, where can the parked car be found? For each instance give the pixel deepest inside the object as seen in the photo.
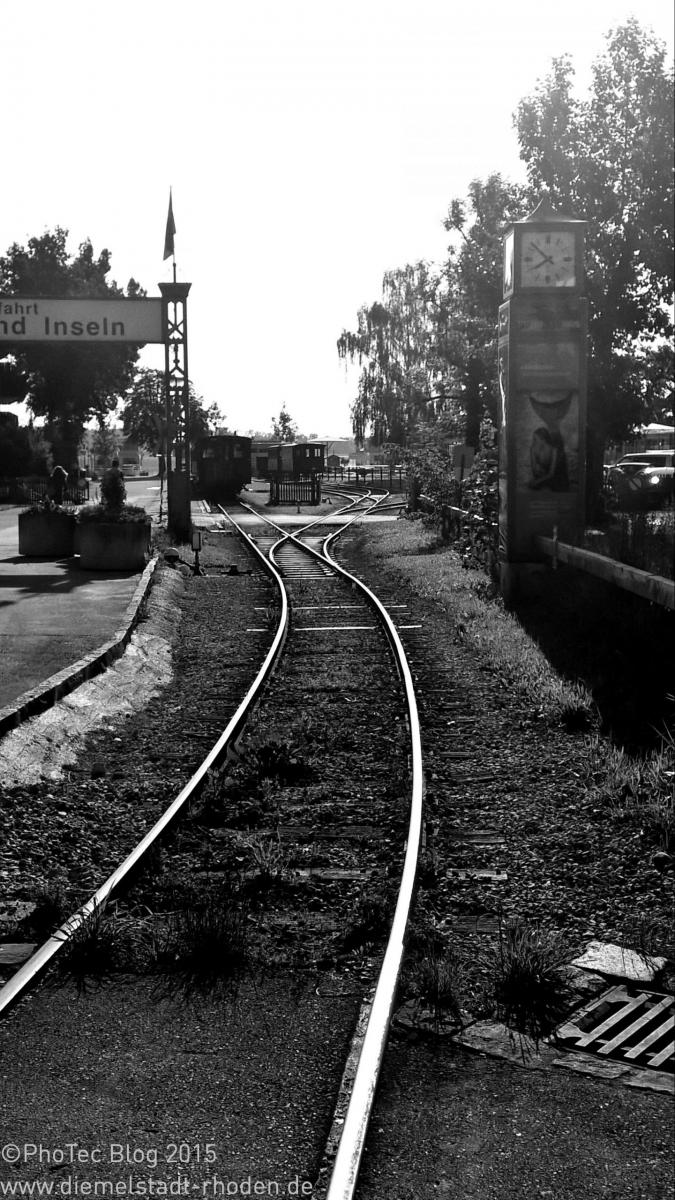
(643, 480)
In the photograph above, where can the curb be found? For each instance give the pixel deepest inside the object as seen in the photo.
(44, 696)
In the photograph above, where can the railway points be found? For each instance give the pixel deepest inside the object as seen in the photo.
(286, 836)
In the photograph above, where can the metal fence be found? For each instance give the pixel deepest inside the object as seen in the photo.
(394, 478)
(34, 489)
(295, 491)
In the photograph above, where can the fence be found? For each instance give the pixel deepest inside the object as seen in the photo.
(295, 491)
(395, 478)
(641, 583)
(33, 489)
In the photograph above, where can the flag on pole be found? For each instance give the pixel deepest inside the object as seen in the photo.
(170, 230)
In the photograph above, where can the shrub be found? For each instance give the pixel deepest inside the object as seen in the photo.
(127, 514)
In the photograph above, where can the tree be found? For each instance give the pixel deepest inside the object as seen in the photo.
(23, 451)
(428, 350)
(473, 274)
(284, 428)
(395, 345)
(105, 444)
(608, 159)
(67, 384)
(144, 411)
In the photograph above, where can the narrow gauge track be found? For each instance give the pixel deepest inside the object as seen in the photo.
(321, 595)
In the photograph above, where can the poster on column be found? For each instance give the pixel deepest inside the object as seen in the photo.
(546, 470)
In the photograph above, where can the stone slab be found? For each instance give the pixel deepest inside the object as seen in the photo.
(13, 954)
(619, 962)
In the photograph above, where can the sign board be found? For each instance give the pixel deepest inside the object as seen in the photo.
(50, 319)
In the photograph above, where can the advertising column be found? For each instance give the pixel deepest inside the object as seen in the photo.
(542, 383)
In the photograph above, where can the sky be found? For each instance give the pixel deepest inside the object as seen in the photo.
(311, 146)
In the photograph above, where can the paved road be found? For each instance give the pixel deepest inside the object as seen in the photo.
(52, 613)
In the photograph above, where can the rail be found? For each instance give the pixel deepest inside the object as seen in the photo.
(350, 1150)
(632, 579)
(30, 971)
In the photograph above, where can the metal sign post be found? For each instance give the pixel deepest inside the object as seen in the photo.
(177, 399)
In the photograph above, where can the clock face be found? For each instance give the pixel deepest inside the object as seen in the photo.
(547, 258)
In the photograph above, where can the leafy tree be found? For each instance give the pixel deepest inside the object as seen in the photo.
(106, 444)
(473, 273)
(394, 344)
(428, 350)
(608, 159)
(67, 384)
(283, 428)
(23, 451)
(144, 411)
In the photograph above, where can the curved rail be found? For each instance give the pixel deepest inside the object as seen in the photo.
(28, 973)
(350, 1149)
(345, 1169)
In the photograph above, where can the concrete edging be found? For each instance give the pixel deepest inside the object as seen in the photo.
(46, 694)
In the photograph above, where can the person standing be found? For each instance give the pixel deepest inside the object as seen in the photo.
(113, 490)
(58, 481)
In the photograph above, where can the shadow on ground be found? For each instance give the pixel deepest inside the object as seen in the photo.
(621, 647)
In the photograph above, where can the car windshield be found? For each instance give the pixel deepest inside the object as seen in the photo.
(649, 458)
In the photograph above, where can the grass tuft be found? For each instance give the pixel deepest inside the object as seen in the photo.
(526, 987)
(205, 948)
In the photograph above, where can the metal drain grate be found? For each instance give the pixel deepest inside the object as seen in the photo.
(636, 1027)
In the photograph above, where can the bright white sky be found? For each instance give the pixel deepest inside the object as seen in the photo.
(312, 145)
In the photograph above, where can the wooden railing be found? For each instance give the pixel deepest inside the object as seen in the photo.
(641, 583)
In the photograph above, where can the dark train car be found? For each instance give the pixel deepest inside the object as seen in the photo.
(260, 453)
(296, 460)
(223, 465)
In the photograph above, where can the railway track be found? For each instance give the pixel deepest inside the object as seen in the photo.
(329, 834)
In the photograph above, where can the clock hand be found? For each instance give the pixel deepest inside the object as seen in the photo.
(544, 257)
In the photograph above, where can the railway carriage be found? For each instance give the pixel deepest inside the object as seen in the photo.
(223, 465)
(296, 460)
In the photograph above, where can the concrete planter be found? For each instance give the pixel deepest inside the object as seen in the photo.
(113, 546)
(47, 534)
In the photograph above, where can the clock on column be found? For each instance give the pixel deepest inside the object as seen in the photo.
(548, 259)
(544, 253)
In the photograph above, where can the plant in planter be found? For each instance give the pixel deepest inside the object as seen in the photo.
(113, 537)
(47, 530)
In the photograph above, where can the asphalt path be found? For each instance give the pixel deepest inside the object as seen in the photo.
(51, 612)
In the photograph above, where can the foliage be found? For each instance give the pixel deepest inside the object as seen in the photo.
(608, 158)
(144, 411)
(23, 451)
(527, 982)
(206, 945)
(113, 490)
(284, 428)
(48, 507)
(427, 348)
(71, 383)
(105, 443)
(128, 514)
